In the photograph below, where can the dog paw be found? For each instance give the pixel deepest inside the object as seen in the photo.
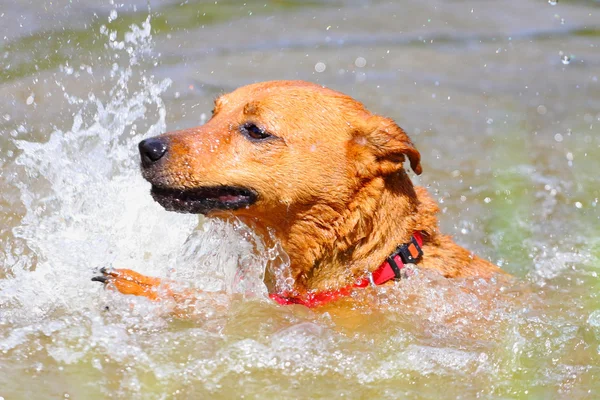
(127, 281)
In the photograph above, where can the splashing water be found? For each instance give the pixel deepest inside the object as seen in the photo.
(87, 207)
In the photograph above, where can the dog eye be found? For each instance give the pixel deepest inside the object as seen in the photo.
(254, 132)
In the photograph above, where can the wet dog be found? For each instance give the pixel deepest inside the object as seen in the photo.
(321, 173)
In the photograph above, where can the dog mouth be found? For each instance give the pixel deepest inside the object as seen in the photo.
(204, 200)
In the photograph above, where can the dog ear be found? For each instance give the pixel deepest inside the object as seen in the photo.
(389, 144)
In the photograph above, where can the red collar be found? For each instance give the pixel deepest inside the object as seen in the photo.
(391, 268)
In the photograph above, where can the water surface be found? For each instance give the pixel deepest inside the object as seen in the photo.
(501, 98)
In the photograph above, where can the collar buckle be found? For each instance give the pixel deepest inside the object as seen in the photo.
(409, 252)
(404, 255)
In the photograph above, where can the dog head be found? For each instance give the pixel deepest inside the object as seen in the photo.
(271, 147)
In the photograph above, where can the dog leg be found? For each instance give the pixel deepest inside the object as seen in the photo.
(127, 281)
(184, 303)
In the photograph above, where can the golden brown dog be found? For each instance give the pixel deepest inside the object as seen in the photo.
(319, 171)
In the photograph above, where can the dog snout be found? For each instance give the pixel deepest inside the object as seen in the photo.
(152, 150)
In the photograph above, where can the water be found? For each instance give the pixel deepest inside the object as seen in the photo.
(510, 145)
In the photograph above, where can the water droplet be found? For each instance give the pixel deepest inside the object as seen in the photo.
(541, 109)
(594, 319)
(30, 99)
(360, 62)
(320, 66)
(553, 2)
(558, 137)
(487, 200)
(490, 121)
(113, 15)
(565, 59)
(578, 204)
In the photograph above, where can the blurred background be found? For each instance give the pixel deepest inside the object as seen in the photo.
(502, 98)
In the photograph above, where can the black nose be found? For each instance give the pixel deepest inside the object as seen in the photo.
(152, 150)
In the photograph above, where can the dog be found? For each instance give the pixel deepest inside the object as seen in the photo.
(314, 169)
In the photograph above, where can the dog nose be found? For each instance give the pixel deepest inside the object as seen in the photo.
(152, 150)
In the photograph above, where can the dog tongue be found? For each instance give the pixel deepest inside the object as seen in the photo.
(228, 197)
